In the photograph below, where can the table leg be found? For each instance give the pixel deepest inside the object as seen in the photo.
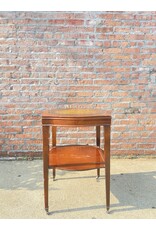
(98, 144)
(54, 174)
(53, 135)
(54, 144)
(45, 130)
(107, 163)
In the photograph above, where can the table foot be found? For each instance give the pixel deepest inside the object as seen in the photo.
(107, 210)
(47, 211)
(54, 174)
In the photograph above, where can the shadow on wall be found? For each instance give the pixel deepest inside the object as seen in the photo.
(132, 191)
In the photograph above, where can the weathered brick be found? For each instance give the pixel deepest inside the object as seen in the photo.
(74, 22)
(98, 60)
(104, 30)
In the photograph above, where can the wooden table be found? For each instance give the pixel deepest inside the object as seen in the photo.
(76, 157)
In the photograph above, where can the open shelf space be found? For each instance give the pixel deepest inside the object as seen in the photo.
(76, 157)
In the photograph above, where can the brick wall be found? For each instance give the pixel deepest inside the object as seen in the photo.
(103, 60)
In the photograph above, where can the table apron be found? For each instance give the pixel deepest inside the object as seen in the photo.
(76, 122)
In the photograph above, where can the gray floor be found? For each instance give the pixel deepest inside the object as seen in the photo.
(77, 195)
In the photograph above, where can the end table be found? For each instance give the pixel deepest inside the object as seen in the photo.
(76, 157)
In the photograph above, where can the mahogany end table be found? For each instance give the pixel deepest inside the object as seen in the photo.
(76, 157)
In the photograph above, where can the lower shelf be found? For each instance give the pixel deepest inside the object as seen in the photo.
(82, 157)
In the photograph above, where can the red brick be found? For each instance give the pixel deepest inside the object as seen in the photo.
(113, 23)
(84, 94)
(124, 16)
(13, 129)
(131, 23)
(131, 50)
(106, 16)
(104, 30)
(56, 21)
(113, 50)
(74, 22)
(146, 146)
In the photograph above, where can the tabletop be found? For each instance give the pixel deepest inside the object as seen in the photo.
(77, 113)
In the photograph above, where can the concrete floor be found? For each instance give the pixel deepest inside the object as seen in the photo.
(77, 195)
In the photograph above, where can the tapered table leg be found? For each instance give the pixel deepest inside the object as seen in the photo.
(54, 174)
(54, 144)
(45, 130)
(98, 174)
(107, 163)
(98, 144)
